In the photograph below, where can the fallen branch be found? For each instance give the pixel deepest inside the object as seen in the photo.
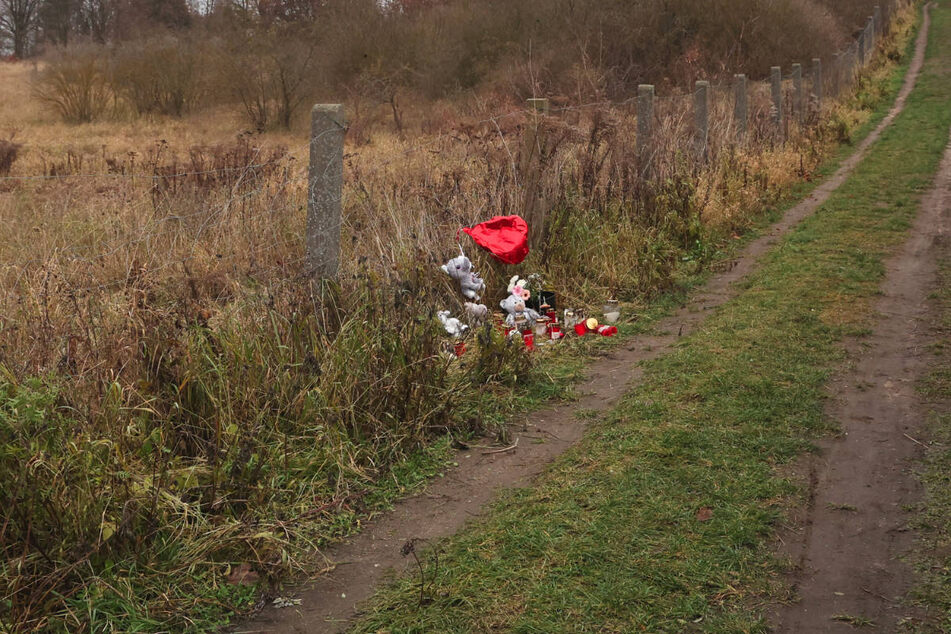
(503, 449)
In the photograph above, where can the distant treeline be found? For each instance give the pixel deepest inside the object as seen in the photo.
(436, 48)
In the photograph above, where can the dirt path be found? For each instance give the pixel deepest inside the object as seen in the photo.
(442, 509)
(855, 527)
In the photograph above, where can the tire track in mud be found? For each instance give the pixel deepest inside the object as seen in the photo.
(850, 562)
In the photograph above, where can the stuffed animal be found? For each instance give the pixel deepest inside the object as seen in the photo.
(519, 288)
(452, 325)
(514, 304)
(477, 313)
(460, 268)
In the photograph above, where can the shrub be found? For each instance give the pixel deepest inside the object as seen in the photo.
(74, 85)
(268, 72)
(164, 75)
(8, 155)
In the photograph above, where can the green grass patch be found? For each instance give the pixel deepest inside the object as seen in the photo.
(660, 519)
(932, 555)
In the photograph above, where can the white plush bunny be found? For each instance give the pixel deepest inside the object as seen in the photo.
(452, 325)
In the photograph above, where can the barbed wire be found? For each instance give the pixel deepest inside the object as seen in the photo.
(720, 85)
(191, 256)
(147, 175)
(151, 228)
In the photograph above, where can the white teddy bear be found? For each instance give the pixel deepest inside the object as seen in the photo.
(514, 304)
(452, 325)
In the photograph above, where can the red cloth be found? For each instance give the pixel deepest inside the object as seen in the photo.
(505, 237)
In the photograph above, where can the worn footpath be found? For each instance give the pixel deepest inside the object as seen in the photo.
(857, 524)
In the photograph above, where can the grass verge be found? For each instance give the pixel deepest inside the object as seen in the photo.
(659, 519)
(932, 556)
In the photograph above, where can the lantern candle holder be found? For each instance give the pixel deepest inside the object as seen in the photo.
(612, 311)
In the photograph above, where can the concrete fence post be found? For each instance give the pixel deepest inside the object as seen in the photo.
(701, 117)
(798, 95)
(325, 189)
(860, 55)
(539, 105)
(871, 38)
(740, 110)
(776, 82)
(837, 64)
(879, 24)
(817, 82)
(645, 128)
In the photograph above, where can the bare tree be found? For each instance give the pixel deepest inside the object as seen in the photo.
(18, 24)
(57, 20)
(97, 18)
(269, 73)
